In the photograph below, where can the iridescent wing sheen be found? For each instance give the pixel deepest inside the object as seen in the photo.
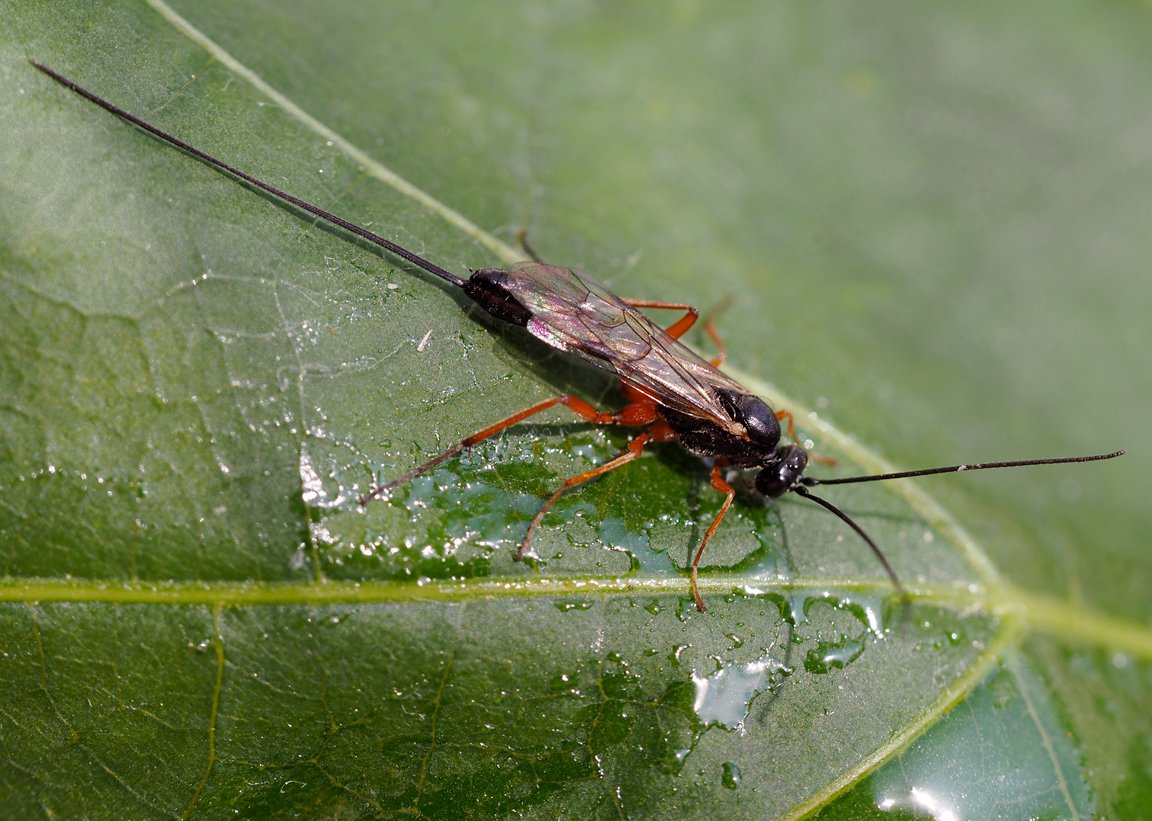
(576, 314)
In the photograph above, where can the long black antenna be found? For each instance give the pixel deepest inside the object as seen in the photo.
(908, 474)
(799, 490)
(316, 211)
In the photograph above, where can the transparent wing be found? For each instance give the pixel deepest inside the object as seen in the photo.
(575, 313)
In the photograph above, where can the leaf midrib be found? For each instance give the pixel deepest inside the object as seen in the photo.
(1039, 613)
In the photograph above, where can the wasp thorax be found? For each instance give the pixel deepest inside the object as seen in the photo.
(754, 414)
(783, 471)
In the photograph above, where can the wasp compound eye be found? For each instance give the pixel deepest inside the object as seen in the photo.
(780, 475)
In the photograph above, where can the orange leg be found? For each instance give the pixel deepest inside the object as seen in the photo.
(781, 415)
(815, 457)
(636, 413)
(714, 335)
(730, 494)
(676, 329)
(631, 452)
(680, 327)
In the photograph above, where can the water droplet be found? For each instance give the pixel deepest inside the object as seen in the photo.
(723, 697)
(730, 775)
(833, 655)
(568, 605)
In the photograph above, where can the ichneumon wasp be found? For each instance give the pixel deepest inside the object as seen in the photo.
(672, 393)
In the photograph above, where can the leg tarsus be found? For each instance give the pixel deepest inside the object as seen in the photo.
(720, 484)
(635, 447)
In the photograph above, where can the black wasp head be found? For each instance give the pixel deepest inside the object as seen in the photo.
(754, 414)
(781, 473)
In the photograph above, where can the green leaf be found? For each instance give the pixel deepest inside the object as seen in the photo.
(932, 225)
